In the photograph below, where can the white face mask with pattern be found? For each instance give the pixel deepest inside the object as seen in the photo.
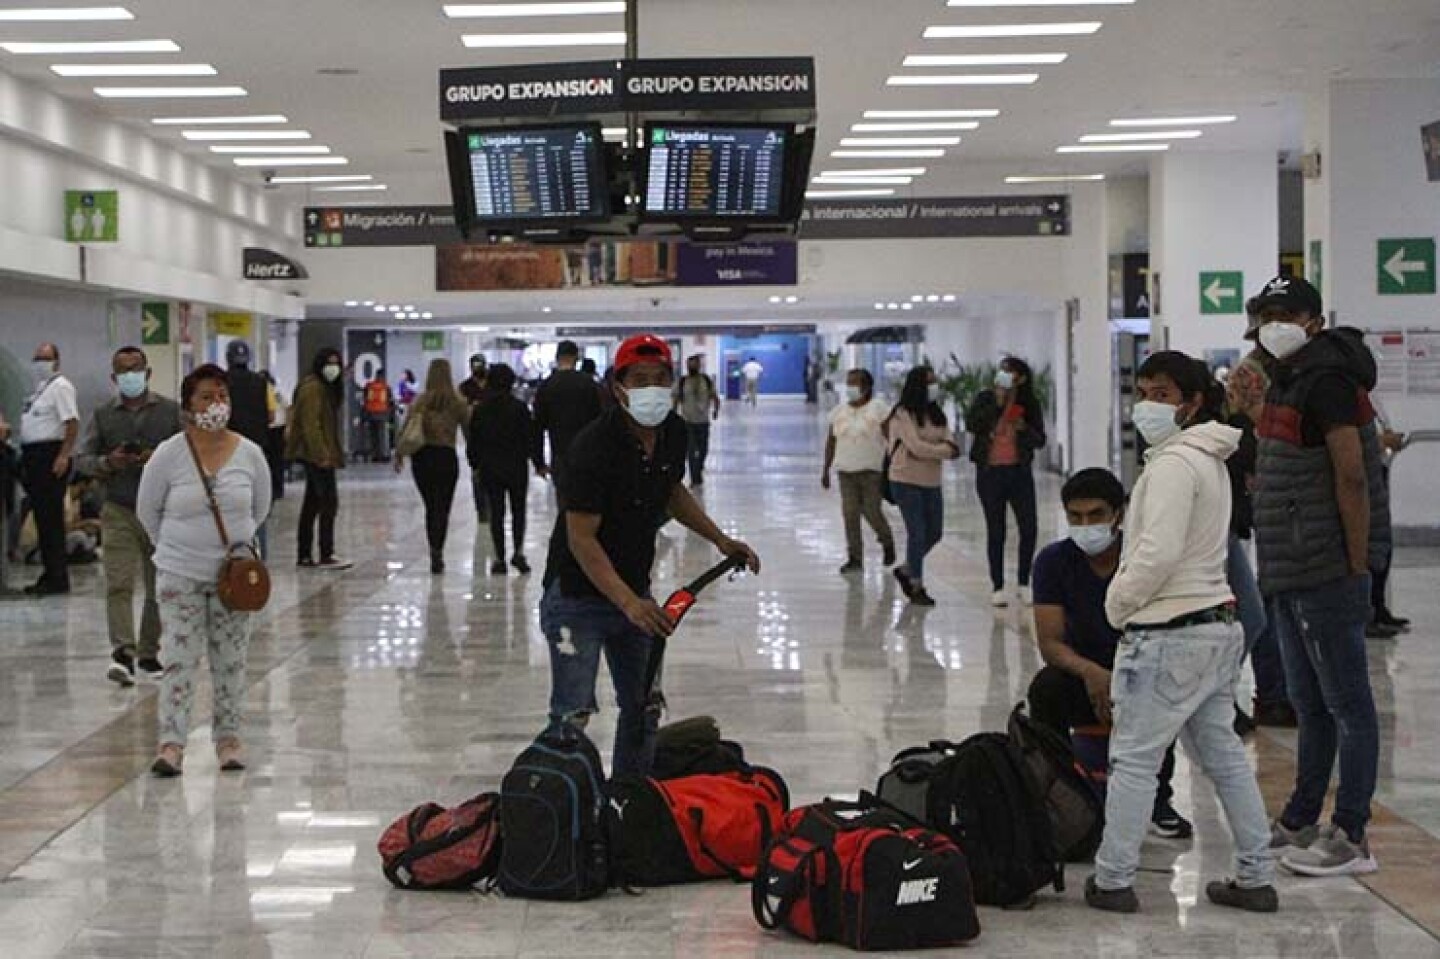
(213, 418)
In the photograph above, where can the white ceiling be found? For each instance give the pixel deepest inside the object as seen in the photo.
(1253, 58)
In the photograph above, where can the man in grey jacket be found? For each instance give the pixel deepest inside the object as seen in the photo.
(116, 446)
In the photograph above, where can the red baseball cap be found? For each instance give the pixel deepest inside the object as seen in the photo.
(644, 348)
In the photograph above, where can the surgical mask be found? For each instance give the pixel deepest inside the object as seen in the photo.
(933, 391)
(132, 385)
(1004, 380)
(42, 369)
(854, 394)
(649, 405)
(1155, 421)
(1283, 340)
(331, 372)
(1093, 540)
(213, 418)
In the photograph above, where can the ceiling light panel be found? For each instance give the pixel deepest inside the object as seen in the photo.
(1058, 178)
(489, 41)
(1133, 137)
(272, 150)
(916, 154)
(964, 80)
(930, 114)
(931, 126)
(166, 93)
(893, 171)
(278, 161)
(352, 188)
(240, 135)
(1115, 148)
(984, 59)
(1003, 30)
(1172, 121)
(899, 141)
(861, 179)
(972, 4)
(62, 48)
(134, 70)
(64, 14)
(839, 194)
(217, 121)
(462, 11)
(324, 178)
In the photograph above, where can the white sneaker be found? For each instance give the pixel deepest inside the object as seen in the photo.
(1026, 597)
(1000, 599)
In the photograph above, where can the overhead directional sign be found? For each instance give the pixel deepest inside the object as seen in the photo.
(1222, 292)
(1406, 266)
(979, 216)
(154, 324)
(92, 216)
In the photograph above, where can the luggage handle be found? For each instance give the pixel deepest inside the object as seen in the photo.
(760, 894)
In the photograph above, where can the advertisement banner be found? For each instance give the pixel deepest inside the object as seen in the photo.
(936, 217)
(232, 324)
(516, 266)
(768, 83)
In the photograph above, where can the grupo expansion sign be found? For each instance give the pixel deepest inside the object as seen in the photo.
(619, 86)
(987, 216)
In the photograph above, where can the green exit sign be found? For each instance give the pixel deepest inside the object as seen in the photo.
(1406, 266)
(432, 341)
(1222, 292)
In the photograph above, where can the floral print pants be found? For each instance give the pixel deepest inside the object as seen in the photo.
(195, 621)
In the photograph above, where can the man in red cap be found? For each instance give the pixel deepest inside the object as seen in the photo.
(623, 477)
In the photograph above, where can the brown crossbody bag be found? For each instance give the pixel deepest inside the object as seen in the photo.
(244, 583)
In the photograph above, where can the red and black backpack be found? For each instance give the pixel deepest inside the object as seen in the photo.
(432, 847)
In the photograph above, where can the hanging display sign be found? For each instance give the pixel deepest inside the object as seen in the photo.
(936, 217)
(261, 264)
(463, 268)
(620, 86)
(338, 227)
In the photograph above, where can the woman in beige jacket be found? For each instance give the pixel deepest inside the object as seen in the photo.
(919, 440)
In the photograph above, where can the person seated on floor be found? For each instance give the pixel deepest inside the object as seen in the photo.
(1076, 641)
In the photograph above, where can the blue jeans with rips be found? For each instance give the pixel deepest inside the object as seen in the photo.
(1168, 683)
(578, 630)
(1322, 641)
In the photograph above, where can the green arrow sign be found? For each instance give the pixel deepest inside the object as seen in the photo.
(1222, 292)
(155, 324)
(92, 216)
(432, 341)
(1406, 266)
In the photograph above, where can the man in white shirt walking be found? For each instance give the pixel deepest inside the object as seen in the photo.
(855, 448)
(48, 431)
(752, 371)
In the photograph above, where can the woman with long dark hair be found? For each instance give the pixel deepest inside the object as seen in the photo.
(435, 465)
(500, 449)
(1008, 426)
(313, 440)
(918, 438)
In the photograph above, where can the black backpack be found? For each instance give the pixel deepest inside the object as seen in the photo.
(980, 794)
(552, 804)
(1077, 814)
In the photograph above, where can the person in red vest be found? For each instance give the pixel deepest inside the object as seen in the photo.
(379, 402)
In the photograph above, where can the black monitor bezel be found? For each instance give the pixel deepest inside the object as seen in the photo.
(646, 215)
(599, 180)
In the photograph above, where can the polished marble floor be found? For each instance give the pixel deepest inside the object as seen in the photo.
(382, 687)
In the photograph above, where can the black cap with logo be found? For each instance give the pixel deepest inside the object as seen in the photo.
(1291, 293)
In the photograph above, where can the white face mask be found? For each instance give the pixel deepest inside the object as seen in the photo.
(1155, 421)
(933, 391)
(649, 405)
(331, 372)
(42, 369)
(213, 418)
(854, 394)
(1283, 340)
(1094, 540)
(1004, 380)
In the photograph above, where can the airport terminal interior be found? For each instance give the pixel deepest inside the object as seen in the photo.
(541, 310)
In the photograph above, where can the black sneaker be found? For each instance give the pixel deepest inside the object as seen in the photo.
(150, 669)
(922, 598)
(1166, 823)
(335, 564)
(1387, 618)
(521, 564)
(305, 562)
(1377, 630)
(1259, 899)
(852, 566)
(121, 670)
(1110, 900)
(498, 568)
(902, 576)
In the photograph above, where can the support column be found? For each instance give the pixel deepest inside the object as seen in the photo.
(1215, 238)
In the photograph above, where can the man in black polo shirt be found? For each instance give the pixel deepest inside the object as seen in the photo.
(623, 471)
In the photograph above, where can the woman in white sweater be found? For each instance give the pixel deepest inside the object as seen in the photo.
(175, 511)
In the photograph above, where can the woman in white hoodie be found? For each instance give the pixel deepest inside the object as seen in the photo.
(1178, 661)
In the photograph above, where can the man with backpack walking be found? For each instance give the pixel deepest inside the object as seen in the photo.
(622, 474)
(698, 403)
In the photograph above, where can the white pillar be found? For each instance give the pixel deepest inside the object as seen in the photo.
(1090, 391)
(1216, 214)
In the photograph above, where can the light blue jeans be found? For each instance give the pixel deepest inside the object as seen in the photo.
(1169, 683)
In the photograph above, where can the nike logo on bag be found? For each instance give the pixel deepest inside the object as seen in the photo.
(911, 865)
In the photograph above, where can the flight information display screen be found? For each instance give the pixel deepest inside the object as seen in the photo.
(540, 173)
(714, 172)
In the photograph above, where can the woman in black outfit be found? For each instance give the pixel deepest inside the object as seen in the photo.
(500, 448)
(1008, 426)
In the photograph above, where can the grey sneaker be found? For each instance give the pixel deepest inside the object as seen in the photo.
(1284, 841)
(1332, 854)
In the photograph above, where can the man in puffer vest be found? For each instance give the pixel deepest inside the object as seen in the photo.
(1322, 516)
